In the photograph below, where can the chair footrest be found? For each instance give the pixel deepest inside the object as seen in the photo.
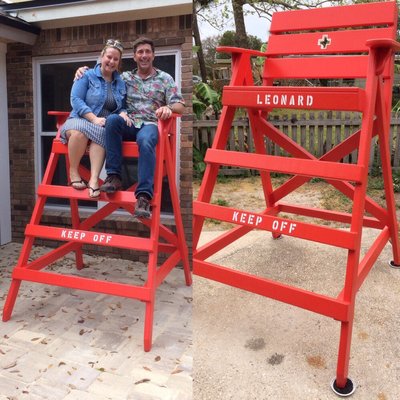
(120, 196)
(129, 149)
(286, 165)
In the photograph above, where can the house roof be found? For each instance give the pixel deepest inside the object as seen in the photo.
(13, 29)
(62, 13)
(21, 21)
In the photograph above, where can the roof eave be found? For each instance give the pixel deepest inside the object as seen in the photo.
(15, 30)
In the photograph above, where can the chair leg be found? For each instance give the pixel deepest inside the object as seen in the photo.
(343, 385)
(16, 283)
(11, 297)
(180, 233)
(148, 324)
(390, 200)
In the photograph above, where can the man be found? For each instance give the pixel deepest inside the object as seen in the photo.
(151, 94)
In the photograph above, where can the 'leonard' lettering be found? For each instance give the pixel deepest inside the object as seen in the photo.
(282, 100)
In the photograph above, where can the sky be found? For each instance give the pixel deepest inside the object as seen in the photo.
(255, 26)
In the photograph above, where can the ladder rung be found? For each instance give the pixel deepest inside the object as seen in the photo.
(129, 149)
(272, 223)
(89, 237)
(286, 165)
(121, 196)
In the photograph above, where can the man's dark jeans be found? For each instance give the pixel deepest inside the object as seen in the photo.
(146, 137)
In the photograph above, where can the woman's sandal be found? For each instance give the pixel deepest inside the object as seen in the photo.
(94, 193)
(79, 185)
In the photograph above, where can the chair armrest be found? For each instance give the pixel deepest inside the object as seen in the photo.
(382, 49)
(255, 53)
(61, 117)
(383, 43)
(168, 126)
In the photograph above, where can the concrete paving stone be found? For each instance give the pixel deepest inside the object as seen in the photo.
(47, 392)
(180, 381)
(71, 375)
(107, 339)
(9, 355)
(147, 374)
(126, 363)
(186, 363)
(80, 395)
(10, 386)
(152, 389)
(77, 332)
(143, 396)
(113, 386)
(26, 339)
(73, 351)
(29, 367)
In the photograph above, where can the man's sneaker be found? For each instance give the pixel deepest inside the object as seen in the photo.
(111, 184)
(142, 208)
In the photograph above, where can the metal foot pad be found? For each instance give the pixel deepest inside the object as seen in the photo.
(346, 391)
(394, 265)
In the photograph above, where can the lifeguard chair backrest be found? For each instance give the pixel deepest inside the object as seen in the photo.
(300, 41)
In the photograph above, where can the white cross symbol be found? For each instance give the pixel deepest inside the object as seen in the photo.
(324, 42)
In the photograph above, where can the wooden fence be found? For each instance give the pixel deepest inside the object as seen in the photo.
(317, 133)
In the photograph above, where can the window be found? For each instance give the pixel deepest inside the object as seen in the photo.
(185, 21)
(53, 77)
(141, 26)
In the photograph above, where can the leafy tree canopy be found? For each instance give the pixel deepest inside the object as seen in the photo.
(228, 38)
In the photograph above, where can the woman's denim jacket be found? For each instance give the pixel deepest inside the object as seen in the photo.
(89, 93)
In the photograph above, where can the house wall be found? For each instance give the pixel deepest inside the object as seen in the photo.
(169, 31)
(5, 214)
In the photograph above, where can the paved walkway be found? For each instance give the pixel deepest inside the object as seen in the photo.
(63, 344)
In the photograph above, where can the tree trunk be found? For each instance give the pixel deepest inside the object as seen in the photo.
(200, 54)
(241, 36)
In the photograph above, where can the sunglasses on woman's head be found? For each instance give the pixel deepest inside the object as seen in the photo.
(115, 43)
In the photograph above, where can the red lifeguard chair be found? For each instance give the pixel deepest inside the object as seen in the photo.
(356, 43)
(173, 244)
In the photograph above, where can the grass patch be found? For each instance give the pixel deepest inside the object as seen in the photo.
(221, 202)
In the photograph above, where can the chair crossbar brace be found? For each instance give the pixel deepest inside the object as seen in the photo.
(325, 305)
(304, 230)
(91, 285)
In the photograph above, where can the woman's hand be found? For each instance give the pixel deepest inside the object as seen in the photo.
(101, 121)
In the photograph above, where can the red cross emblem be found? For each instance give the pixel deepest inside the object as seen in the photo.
(324, 42)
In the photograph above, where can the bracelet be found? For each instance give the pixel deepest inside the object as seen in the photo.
(170, 107)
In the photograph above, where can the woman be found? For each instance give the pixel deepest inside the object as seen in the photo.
(99, 93)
